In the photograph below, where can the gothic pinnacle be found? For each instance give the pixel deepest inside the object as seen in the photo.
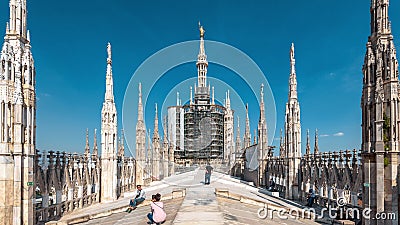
(247, 135)
(140, 104)
(109, 95)
(95, 149)
(28, 36)
(316, 148)
(87, 147)
(202, 63)
(228, 100)
(191, 95)
(213, 100)
(109, 59)
(156, 120)
(308, 148)
(121, 149)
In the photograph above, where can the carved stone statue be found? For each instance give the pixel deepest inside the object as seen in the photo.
(109, 50)
(201, 29)
(292, 53)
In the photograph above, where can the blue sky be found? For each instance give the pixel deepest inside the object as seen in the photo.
(69, 45)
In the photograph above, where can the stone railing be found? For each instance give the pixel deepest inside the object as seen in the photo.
(66, 182)
(333, 176)
(276, 169)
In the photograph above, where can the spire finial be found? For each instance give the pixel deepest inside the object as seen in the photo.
(262, 93)
(281, 145)
(95, 150)
(109, 95)
(109, 53)
(109, 50)
(202, 63)
(191, 95)
(28, 36)
(7, 27)
(87, 148)
(247, 132)
(140, 105)
(238, 142)
(140, 89)
(316, 147)
(202, 31)
(308, 148)
(292, 52)
(292, 60)
(292, 78)
(165, 129)
(156, 119)
(213, 99)
(228, 100)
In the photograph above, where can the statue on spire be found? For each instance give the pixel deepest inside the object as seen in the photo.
(262, 93)
(109, 52)
(201, 29)
(292, 53)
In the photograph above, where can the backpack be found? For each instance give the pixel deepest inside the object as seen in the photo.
(160, 215)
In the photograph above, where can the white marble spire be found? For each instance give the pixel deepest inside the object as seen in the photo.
(238, 140)
(191, 95)
(17, 24)
(109, 95)
(121, 147)
(87, 147)
(262, 123)
(316, 147)
(380, 23)
(308, 147)
(213, 97)
(292, 79)
(281, 146)
(247, 135)
(292, 131)
(140, 141)
(156, 150)
(109, 138)
(95, 152)
(228, 100)
(380, 103)
(262, 138)
(202, 63)
(18, 132)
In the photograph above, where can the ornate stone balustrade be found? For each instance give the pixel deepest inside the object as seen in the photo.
(65, 182)
(332, 175)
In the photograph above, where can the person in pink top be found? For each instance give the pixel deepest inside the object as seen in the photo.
(157, 214)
